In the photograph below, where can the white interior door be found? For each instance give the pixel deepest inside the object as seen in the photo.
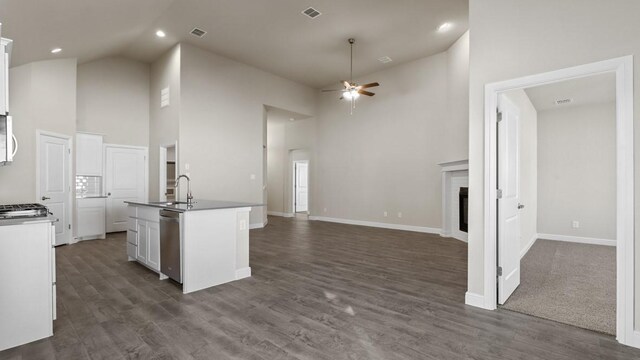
(508, 212)
(125, 180)
(54, 187)
(302, 186)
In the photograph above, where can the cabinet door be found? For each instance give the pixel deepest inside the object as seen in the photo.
(89, 155)
(143, 242)
(153, 233)
(91, 214)
(4, 81)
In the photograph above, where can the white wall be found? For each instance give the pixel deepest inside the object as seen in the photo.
(384, 157)
(113, 100)
(528, 169)
(222, 123)
(163, 122)
(577, 167)
(42, 96)
(512, 39)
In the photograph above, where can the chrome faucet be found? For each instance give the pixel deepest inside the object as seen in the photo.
(189, 195)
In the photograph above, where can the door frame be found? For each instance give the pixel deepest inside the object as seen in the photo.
(294, 185)
(625, 278)
(72, 206)
(162, 165)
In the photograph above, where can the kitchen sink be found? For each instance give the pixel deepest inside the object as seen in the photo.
(170, 203)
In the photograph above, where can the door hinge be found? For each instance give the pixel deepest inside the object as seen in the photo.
(499, 115)
(499, 270)
(69, 226)
(499, 193)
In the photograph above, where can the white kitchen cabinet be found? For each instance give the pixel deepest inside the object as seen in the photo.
(5, 52)
(89, 154)
(28, 282)
(91, 218)
(143, 236)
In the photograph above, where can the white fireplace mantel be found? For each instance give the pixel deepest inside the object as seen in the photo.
(452, 172)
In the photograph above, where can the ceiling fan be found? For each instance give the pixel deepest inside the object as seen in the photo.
(351, 90)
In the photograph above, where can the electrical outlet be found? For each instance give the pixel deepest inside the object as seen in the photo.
(243, 224)
(186, 166)
(399, 214)
(385, 214)
(575, 224)
(253, 176)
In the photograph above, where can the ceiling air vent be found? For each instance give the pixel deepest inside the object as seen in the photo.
(385, 59)
(563, 101)
(312, 13)
(198, 32)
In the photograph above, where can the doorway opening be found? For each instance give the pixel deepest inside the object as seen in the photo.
(167, 166)
(502, 202)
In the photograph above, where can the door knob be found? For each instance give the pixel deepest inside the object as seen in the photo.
(108, 194)
(45, 198)
(520, 206)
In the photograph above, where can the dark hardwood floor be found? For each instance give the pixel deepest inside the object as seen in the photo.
(318, 291)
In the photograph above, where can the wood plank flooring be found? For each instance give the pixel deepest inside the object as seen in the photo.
(318, 291)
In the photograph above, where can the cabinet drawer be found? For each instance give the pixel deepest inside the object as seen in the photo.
(132, 224)
(132, 237)
(149, 213)
(132, 250)
(132, 211)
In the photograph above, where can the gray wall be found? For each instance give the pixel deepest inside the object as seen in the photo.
(163, 122)
(113, 100)
(222, 123)
(510, 41)
(384, 157)
(576, 171)
(42, 96)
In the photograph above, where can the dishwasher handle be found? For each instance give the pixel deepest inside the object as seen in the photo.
(169, 215)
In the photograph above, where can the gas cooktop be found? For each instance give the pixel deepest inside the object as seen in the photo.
(23, 211)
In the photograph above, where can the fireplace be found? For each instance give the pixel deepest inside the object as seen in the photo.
(463, 208)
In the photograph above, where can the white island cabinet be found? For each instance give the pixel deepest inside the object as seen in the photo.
(213, 241)
(27, 280)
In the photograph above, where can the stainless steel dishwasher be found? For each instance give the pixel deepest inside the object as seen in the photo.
(170, 252)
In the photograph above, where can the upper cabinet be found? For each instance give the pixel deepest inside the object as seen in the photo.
(89, 154)
(5, 52)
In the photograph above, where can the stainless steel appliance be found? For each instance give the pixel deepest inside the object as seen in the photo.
(8, 142)
(170, 245)
(18, 211)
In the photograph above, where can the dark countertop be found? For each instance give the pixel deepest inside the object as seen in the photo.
(196, 206)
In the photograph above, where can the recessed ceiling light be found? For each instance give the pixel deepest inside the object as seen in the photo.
(56, 50)
(160, 33)
(292, 119)
(444, 27)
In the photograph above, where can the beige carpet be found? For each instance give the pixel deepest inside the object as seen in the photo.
(570, 283)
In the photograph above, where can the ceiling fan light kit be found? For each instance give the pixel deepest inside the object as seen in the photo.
(352, 91)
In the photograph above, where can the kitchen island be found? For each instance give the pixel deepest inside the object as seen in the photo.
(203, 244)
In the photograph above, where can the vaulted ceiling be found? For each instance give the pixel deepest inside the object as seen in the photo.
(272, 35)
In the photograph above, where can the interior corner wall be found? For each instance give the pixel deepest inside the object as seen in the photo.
(577, 167)
(222, 124)
(528, 167)
(42, 96)
(385, 156)
(163, 121)
(113, 100)
(511, 39)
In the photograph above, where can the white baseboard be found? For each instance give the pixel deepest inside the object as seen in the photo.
(421, 229)
(257, 226)
(243, 273)
(577, 239)
(529, 245)
(472, 299)
(282, 214)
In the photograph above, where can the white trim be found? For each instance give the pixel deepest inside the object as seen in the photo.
(71, 178)
(455, 165)
(162, 164)
(474, 300)
(526, 249)
(623, 68)
(282, 214)
(257, 225)
(421, 229)
(577, 239)
(634, 340)
(243, 273)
